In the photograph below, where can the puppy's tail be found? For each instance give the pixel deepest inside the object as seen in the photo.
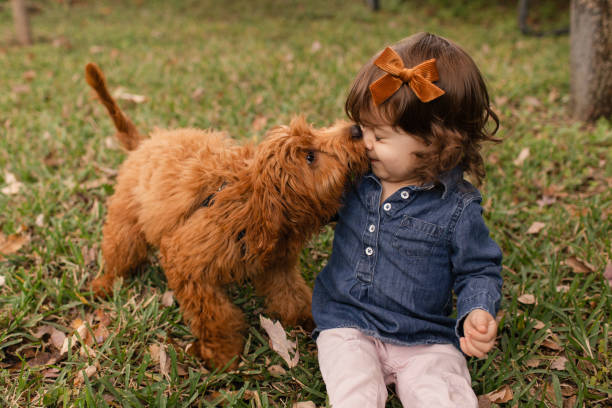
(128, 135)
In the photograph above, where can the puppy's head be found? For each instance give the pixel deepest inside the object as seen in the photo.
(303, 171)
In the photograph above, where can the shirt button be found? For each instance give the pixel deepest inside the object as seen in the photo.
(405, 194)
(369, 251)
(387, 206)
(372, 228)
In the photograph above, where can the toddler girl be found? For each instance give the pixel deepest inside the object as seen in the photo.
(410, 234)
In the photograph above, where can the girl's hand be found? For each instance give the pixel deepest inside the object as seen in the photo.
(480, 330)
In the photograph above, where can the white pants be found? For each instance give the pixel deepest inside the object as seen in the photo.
(357, 367)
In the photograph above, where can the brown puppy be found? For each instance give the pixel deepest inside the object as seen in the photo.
(221, 212)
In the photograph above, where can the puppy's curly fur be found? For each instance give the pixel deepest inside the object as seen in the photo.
(221, 212)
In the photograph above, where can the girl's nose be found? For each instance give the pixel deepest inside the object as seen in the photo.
(368, 138)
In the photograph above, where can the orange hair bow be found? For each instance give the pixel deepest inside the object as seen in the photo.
(420, 78)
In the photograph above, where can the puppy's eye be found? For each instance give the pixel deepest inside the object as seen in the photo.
(310, 157)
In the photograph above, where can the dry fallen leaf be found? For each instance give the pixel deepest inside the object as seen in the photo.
(483, 402)
(527, 299)
(81, 334)
(578, 265)
(167, 298)
(158, 354)
(120, 93)
(562, 288)
(277, 370)
(259, 122)
(2, 280)
(12, 185)
(279, 341)
(316, 46)
(558, 363)
(607, 274)
(533, 362)
(536, 227)
(501, 395)
(12, 243)
(44, 358)
(523, 155)
(89, 371)
(304, 404)
(56, 337)
(552, 345)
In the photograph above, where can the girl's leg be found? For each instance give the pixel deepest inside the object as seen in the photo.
(432, 375)
(351, 369)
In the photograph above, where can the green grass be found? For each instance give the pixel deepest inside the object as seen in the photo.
(262, 59)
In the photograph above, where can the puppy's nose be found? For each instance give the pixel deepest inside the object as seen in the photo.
(356, 133)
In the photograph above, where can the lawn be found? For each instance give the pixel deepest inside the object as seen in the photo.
(245, 66)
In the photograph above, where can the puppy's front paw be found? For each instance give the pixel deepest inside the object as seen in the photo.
(102, 287)
(217, 356)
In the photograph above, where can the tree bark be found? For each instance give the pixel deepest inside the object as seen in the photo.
(22, 23)
(590, 59)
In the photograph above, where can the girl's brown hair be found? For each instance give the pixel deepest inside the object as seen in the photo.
(453, 125)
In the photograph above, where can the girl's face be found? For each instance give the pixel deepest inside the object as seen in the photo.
(391, 153)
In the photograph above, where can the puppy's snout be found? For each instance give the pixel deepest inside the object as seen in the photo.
(356, 133)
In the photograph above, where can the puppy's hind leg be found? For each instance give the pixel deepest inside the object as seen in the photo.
(124, 249)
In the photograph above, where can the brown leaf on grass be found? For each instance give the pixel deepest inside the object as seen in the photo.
(259, 122)
(12, 243)
(568, 390)
(21, 89)
(159, 356)
(56, 337)
(536, 227)
(279, 341)
(316, 46)
(578, 265)
(276, 370)
(101, 333)
(501, 395)
(533, 362)
(483, 402)
(167, 299)
(552, 345)
(527, 299)
(100, 316)
(121, 93)
(546, 201)
(197, 94)
(51, 372)
(304, 404)
(13, 186)
(562, 288)
(559, 363)
(523, 155)
(80, 379)
(44, 358)
(2, 280)
(81, 335)
(607, 274)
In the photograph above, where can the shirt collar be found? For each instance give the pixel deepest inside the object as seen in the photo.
(448, 180)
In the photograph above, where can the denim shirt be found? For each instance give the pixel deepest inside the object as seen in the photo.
(394, 267)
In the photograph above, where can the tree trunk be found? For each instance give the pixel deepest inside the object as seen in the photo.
(590, 59)
(22, 23)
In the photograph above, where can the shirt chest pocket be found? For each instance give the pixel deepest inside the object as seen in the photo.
(416, 239)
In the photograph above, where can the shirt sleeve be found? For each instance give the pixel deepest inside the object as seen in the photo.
(476, 262)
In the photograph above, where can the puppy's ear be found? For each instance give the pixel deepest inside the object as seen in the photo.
(299, 126)
(265, 220)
